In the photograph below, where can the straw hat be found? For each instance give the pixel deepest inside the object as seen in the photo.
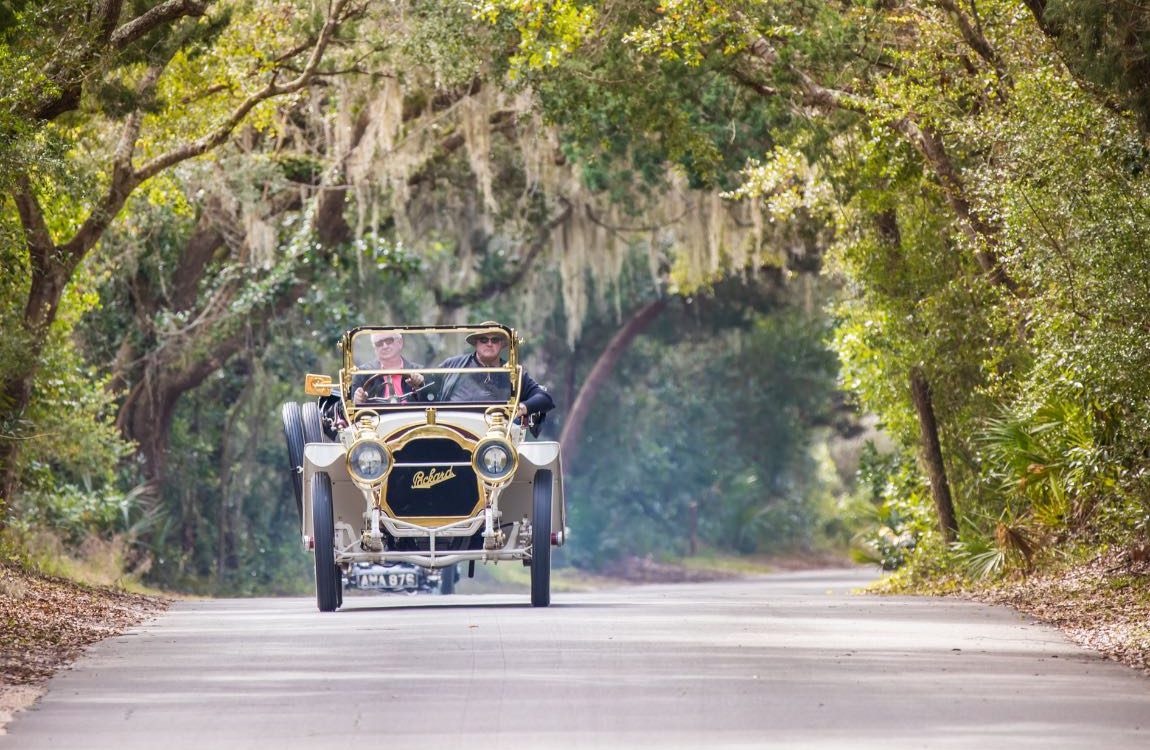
(487, 328)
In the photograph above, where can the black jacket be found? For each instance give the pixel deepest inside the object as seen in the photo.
(534, 395)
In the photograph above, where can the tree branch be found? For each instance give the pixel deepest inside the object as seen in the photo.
(927, 143)
(643, 229)
(271, 89)
(1050, 28)
(123, 181)
(493, 287)
(165, 12)
(924, 140)
(977, 41)
(201, 247)
(105, 14)
(500, 121)
(36, 232)
(814, 94)
(604, 365)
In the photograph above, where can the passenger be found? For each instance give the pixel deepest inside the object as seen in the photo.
(534, 400)
(388, 346)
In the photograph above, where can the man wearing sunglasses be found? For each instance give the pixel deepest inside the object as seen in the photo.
(388, 347)
(489, 342)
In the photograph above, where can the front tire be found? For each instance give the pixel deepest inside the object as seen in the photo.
(541, 540)
(447, 580)
(293, 435)
(328, 587)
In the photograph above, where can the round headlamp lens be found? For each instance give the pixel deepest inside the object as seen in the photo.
(368, 461)
(494, 460)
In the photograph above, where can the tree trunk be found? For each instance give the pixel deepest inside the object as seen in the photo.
(597, 378)
(146, 418)
(570, 382)
(932, 454)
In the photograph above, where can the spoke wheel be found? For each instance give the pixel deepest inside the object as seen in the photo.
(541, 540)
(293, 436)
(328, 588)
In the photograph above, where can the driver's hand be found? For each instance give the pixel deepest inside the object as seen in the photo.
(522, 410)
(415, 380)
(359, 396)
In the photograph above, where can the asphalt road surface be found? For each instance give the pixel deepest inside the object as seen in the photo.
(786, 661)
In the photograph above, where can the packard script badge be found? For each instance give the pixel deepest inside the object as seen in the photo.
(423, 481)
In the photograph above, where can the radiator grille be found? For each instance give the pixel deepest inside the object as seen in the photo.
(434, 487)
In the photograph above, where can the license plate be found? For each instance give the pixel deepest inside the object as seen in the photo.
(386, 581)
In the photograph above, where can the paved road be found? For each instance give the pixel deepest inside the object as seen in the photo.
(787, 661)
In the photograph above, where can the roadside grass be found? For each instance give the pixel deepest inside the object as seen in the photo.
(750, 565)
(708, 565)
(714, 562)
(97, 562)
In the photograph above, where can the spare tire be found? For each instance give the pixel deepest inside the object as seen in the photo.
(294, 437)
(313, 424)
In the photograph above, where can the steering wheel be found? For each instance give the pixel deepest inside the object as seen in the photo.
(395, 397)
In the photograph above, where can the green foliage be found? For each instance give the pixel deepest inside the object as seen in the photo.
(1107, 44)
(979, 557)
(77, 512)
(1051, 461)
(70, 447)
(719, 418)
(548, 31)
(227, 521)
(917, 150)
(889, 509)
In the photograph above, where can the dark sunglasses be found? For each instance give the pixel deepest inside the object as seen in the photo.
(489, 339)
(384, 342)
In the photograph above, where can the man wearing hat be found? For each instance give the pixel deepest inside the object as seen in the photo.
(489, 342)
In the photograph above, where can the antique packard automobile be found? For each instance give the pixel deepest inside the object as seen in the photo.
(415, 454)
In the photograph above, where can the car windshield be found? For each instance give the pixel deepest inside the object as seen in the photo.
(398, 368)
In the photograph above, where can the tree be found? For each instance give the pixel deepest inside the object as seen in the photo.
(144, 59)
(918, 110)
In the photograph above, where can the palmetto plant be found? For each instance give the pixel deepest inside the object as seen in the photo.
(1050, 464)
(1012, 546)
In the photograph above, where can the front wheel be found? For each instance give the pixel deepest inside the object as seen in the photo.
(447, 580)
(541, 541)
(328, 586)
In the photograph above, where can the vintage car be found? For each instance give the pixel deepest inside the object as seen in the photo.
(435, 469)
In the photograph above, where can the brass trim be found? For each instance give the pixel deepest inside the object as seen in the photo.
(398, 439)
(317, 385)
(510, 450)
(429, 522)
(350, 368)
(401, 437)
(355, 475)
